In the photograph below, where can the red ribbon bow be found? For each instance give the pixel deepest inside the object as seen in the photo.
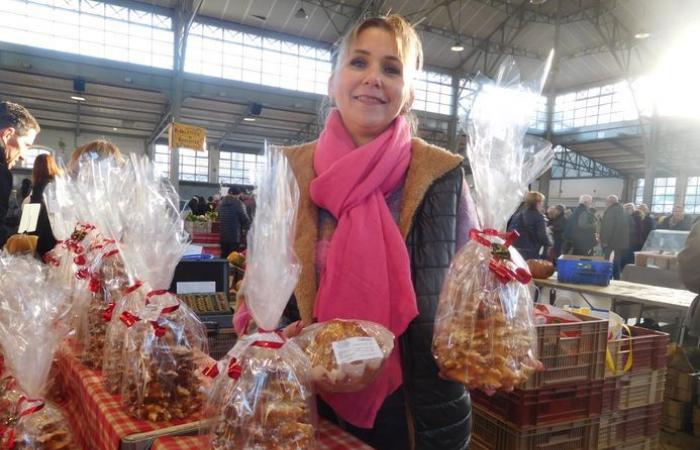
(9, 429)
(155, 293)
(111, 253)
(498, 265)
(132, 288)
(129, 318)
(234, 369)
(95, 285)
(80, 260)
(107, 313)
(211, 372)
(268, 344)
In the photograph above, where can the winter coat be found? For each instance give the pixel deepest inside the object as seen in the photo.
(648, 224)
(581, 229)
(615, 230)
(636, 229)
(439, 411)
(532, 227)
(558, 226)
(233, 218)
(685, 224)
(46, 240)
(689, 271)
(5, 192)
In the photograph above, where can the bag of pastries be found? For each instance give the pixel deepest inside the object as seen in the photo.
(345, 355)
(31, 328)
(261, 397)
(485, 333)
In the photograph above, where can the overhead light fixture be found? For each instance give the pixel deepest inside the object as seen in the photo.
(249, 119)
(642, 35)
(457, 47)
(537, 2)
(115, 129)
(77, 98)
(301, 13)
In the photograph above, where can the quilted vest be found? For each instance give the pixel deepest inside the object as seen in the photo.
(439, 410)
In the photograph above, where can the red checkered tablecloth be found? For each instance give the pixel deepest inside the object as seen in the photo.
(97, 419)
(330, 438)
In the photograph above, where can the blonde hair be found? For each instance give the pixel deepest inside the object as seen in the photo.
(533, 198)
(407, 42)
(101, 148)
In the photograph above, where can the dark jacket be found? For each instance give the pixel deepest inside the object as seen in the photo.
(439, 411)
(667, 223)
(689, 271)
(580, 230)
(532, 227)
(636, 229)
(648, 224)
(46, 240)
(558, 226)
(615, 230)
(233, 218)
(5, 192)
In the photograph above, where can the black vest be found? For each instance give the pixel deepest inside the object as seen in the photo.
(440, 410)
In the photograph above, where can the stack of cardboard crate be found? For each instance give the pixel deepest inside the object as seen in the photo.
(679, 401)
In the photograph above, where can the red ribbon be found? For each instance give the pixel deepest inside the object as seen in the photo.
(129, 318)
(48, 258)
(94, 285)
(132, 288)
(501, 270)
(234, 369)
(111, 253)
(170, 309)
(158, 328)
(107, 313)
(211, 372)
(268, 344)
(80, 260)
(82, 274)
(155, 293)
(10, 442)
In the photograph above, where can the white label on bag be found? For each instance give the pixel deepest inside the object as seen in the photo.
(356, 349)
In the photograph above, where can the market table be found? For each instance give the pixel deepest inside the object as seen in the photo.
(96, 416)
(330, 438)
(643, 295)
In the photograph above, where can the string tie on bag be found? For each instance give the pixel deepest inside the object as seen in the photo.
(8, 427)
(500, 255)
(109, 310)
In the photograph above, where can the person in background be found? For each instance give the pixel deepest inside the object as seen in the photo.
(531, 224)
(44, 172)
(384, 207)
(648, 222)
(557, 226)
(634, 218)
(98, 149)
(677, 221)
(615, 233)
(248, 200)
(234, 220)
(689, 272)
(210, 204)
(25, 190)
(193, 205)
(202, 207)
(581, 228)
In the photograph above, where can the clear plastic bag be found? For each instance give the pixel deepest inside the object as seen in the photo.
(261, 397)
(32, 311)
(485, 333)
(272, 270)
(160, 354)
(345, 355)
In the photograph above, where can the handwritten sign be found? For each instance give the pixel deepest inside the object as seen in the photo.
(181, 135)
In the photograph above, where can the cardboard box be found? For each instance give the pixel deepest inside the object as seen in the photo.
(677, 409)
(681, 385)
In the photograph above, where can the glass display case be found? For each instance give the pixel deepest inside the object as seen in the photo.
(665, 241)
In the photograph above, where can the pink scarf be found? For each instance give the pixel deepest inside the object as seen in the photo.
(367, 274)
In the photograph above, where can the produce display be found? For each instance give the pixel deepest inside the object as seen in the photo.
(484, 328)
(345, 355)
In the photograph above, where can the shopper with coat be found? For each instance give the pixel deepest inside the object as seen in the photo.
(531, 225)
(381, 206)
(43, 173)
(557, 226)
(615, 233)
(233, 220)
(581, 228)
(689, 271)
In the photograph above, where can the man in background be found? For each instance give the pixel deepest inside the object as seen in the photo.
(678, 220)
(615, 233)
(581, 228)
(234, 219)
(18, 130)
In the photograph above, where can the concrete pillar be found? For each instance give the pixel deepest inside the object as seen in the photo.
(453, 129)
(681, 187)
(213, 164)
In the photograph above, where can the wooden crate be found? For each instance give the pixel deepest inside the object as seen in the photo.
(680, 385)
(677, 415)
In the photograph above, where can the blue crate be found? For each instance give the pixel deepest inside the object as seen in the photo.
(584, 271)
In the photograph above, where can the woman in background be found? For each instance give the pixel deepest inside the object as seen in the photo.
(44, 172)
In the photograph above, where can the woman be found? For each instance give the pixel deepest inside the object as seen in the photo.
(45, 170)
(531, 224)
(380, 206)
(93, 150)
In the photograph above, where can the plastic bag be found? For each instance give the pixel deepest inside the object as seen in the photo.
(345, 355)
(160, 380)
(261, 397)
(272, 270)
(484, 328)
(31, 314)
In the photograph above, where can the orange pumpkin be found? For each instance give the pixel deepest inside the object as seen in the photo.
(540, 268)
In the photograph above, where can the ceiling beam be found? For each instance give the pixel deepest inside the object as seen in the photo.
(531, 14)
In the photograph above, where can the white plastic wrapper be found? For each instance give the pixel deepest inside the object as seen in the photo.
(261, 397)
(484, 329)
(345, 355)
(272, 270)
(31, 327)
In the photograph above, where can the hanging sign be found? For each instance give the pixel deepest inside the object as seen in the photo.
(187, 136)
